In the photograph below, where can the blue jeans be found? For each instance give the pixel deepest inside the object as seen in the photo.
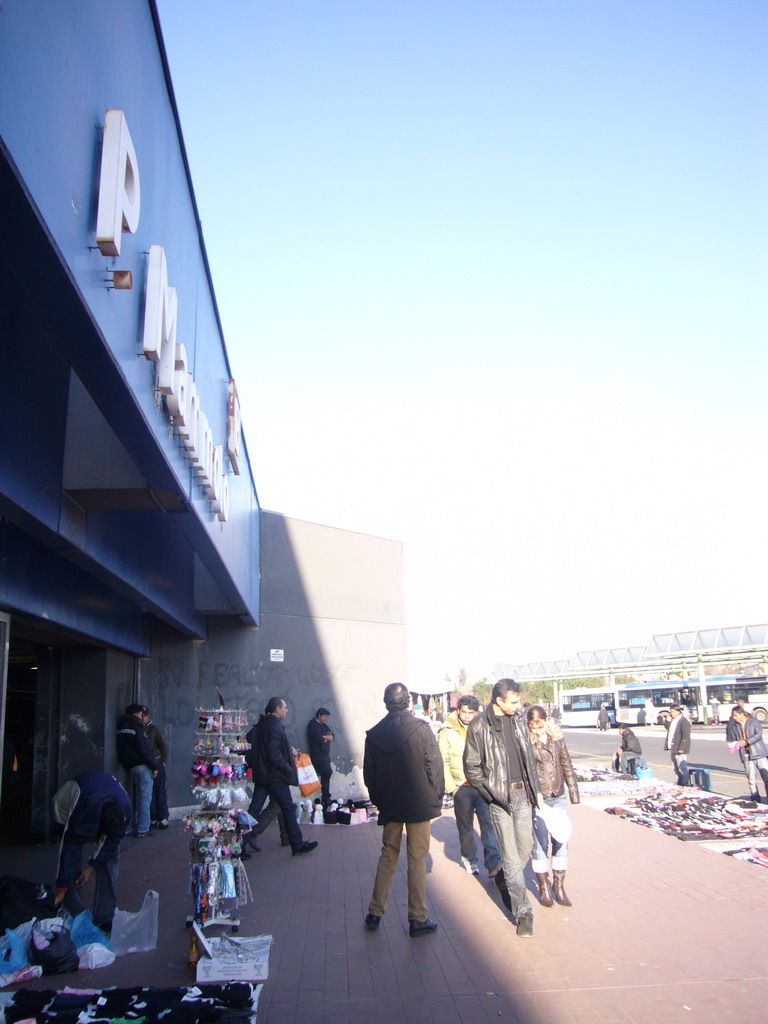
(514, 834)
(541, 838)
(758, 765)
(158, 810)
(467, 803)
(141, 782)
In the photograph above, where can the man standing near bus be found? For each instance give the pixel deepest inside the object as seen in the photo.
(714, 710)
(679, 743)
(748, 733)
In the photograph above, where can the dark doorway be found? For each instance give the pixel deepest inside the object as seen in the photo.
(19, 741)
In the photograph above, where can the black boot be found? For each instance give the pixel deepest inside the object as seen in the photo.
(545, 893)
(558, 886)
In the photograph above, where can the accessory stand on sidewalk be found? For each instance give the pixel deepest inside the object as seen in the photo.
(218, 881)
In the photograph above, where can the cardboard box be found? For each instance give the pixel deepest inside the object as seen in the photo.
(232, 957)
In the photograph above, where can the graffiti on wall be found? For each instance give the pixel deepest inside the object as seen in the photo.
(181, 686)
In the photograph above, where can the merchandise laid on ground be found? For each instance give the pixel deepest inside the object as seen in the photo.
(722, 824)
(353, 812)
(752, 853)
(236, 1003)
(696, 816)
(598, 781)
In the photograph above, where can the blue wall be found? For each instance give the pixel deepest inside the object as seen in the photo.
(61, 66)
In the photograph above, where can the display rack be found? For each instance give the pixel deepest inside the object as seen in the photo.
(218, 882)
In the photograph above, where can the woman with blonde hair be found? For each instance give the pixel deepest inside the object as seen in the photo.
(551, 823)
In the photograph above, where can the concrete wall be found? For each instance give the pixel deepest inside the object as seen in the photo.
(332, 601)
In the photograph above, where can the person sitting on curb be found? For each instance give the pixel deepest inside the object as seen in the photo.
(629, 750)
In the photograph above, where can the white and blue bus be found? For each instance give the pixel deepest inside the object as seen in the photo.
(648, 703)
(580, 705)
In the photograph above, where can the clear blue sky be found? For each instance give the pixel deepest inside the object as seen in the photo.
(492, 281)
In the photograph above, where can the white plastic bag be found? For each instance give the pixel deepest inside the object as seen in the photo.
(136, 933)
(557, 821)
(94, 954)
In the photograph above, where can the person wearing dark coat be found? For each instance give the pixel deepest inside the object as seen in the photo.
(678, 743)
(499, 763)
(135, 756)
(93, 808)
(274, 771)
(319, 740)
(751, 746)
(403, 771)
(603, 719)
(158, 807)
(629, 749)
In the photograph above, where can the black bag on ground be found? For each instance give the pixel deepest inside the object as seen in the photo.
(58, 955)
(21, 900)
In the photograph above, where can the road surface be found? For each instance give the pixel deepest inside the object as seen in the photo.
(708, 750)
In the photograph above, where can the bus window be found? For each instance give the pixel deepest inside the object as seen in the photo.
(663, 698)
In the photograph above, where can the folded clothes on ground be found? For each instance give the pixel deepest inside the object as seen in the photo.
(234, 1003)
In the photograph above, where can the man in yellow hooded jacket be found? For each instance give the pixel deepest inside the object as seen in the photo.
(467, 802)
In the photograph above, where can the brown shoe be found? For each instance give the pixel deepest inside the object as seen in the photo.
(558, 888)
(545, 893)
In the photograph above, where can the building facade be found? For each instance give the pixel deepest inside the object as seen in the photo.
(130, 527)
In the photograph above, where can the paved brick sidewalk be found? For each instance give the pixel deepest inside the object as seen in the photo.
(660, 931)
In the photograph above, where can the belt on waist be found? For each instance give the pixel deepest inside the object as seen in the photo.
(516, 785)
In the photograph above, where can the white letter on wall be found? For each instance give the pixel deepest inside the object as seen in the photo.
(160, 308)
(233, 428)
(119, 187)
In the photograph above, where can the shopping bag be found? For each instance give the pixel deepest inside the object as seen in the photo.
(22, 900)
(557, 822)
(84, 931)
(93, 955)
(13, 952)
(136, 932)
(308, 780)
(52, 948)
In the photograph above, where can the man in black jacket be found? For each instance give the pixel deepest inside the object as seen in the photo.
(629, 750)
(499, 763)
(403, 771)
(319, 740)
(274, 770)
(679, 743)
(135, 756)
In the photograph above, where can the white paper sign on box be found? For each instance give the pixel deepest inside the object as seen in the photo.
(232, 958)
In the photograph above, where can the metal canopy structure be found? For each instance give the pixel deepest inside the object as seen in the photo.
(686, 651)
